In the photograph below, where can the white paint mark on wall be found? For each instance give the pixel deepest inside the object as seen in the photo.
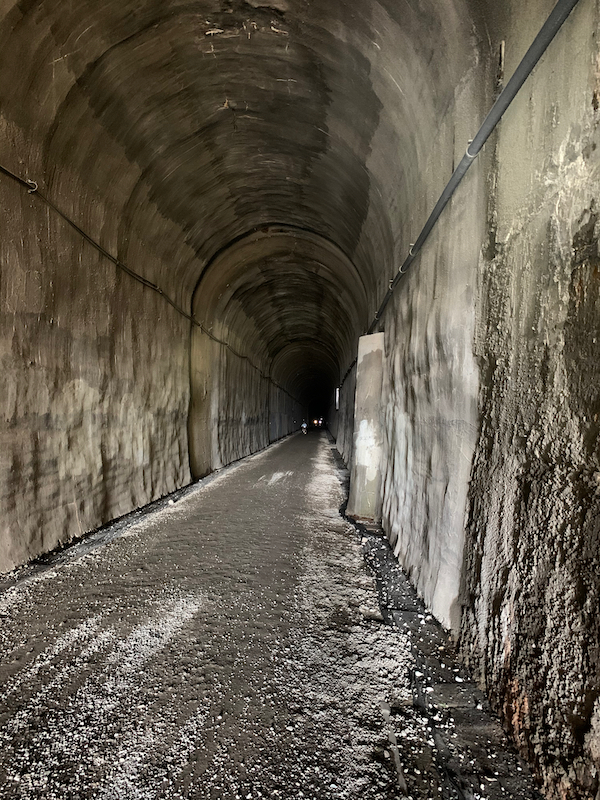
(368, 448)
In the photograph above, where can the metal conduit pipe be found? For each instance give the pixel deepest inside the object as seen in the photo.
(547, 33)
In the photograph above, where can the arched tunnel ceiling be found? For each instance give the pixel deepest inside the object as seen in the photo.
(288, 293)
(204, 121)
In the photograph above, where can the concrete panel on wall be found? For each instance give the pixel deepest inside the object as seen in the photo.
(365, 482)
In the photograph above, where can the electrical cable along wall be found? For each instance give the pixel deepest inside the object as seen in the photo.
(32, 188)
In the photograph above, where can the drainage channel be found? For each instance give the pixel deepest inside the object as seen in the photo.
(446, 738)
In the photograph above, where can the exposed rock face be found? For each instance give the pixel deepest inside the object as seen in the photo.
(533, 571)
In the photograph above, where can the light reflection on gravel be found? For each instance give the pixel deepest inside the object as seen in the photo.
(227, 646)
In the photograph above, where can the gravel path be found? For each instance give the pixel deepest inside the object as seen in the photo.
(229, 645)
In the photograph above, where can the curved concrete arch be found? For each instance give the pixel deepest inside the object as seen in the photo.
(311, 370)
(168, 129)
(290, 284)
(168, 122)
(186, 115)
(272, 238)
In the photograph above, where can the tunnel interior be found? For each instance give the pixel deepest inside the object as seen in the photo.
(204, 203)
(295, 302)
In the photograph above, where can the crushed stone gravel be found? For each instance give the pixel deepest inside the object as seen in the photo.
(234, 643)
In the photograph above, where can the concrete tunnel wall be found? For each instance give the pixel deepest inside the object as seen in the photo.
(268, 168)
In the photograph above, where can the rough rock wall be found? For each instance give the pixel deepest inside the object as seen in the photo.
(532, 582)
(241, 405)
(94, 367)
(285, 413)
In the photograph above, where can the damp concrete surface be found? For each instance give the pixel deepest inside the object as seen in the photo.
(240, 640)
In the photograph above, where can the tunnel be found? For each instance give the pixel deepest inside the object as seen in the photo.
(205, 204)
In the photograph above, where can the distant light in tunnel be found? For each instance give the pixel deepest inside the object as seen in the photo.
(337, 399)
